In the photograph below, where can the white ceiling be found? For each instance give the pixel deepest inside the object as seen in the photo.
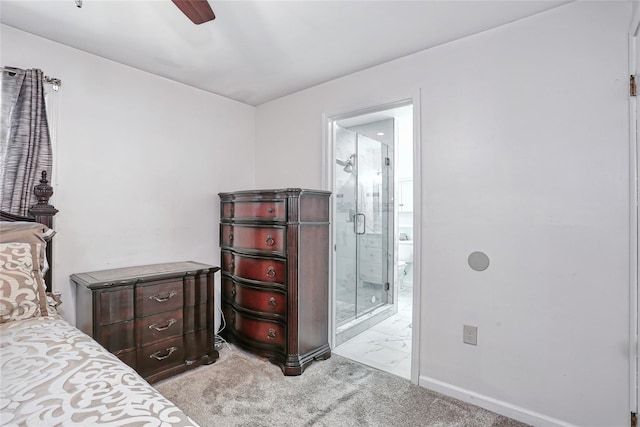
(257, 51)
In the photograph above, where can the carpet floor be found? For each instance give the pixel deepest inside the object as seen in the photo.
(242, 390)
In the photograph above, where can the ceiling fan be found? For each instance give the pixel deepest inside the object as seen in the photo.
(198, 11)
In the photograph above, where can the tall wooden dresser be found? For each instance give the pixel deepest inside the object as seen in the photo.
(157, 318)
(275, 274)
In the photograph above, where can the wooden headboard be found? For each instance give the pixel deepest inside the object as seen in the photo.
(43, 213)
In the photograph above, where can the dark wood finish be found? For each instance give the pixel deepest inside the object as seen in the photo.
(270, 210)
(198, 11)
(156, 297)
(250, 238)
(275, 274)
(158, 319)
(43, 213)
(157, 357)
(257, 298)
(265, 269)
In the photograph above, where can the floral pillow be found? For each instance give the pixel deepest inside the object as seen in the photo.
(22, 290)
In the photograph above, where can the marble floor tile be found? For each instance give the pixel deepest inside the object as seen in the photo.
(383, 340)
(387, 345)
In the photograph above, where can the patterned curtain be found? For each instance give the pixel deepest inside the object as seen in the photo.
(25, 146)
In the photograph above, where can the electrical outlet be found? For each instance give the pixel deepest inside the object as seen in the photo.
(470, 334)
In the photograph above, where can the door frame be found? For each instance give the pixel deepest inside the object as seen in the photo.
(634, 217)
(328, 177)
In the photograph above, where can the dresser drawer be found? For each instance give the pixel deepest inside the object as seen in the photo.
(270, 239)
(151, 299)
(160, 326)
(160, 356)
(258, 330)
(118, 337)
(256, 299)
(114, 305)
(129, 357)
(266, 210)
(254, 268)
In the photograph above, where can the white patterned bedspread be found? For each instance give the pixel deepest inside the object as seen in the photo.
(53, 374)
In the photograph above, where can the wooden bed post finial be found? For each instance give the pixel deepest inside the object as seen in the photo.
(43, 211)
(43, 191)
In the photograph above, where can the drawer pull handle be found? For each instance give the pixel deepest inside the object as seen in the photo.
(271, 272)
(270, 241)
(166, 297)
(271, 334)
(231, 264)
(233, 318)
(272, 302)
(233, 290)
(166, 325)
(270, 210)
(231, 237)
(159, 356)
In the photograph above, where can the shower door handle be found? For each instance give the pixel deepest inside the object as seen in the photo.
(357, 223)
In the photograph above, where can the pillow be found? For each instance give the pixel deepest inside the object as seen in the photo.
(22, 291)
(18, 231)
(27, 232)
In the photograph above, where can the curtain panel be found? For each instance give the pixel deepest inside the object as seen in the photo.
(25, 145)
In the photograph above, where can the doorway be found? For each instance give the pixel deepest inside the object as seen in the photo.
(372, 172)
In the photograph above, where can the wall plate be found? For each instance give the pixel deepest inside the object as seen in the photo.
(470, 334)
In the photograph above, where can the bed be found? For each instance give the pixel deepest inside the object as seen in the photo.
(51, 373)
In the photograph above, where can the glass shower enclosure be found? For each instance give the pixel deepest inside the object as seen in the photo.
(363, 225)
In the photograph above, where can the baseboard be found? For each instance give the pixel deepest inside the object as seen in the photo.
(499, 407)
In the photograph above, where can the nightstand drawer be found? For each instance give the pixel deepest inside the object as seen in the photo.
(268, 239)
(158, 298)
(114, 306)
(160, 356)
(265, 300)
(160, 326)
(118, 336)
(129, 357)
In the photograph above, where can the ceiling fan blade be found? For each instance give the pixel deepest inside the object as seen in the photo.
(198, 11)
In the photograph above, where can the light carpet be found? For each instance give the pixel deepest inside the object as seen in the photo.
(244, 390)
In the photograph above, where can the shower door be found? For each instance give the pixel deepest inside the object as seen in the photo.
(363, 220)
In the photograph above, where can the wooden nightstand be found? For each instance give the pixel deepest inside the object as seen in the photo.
(157, 318)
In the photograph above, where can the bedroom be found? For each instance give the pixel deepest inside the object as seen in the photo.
(535, 172)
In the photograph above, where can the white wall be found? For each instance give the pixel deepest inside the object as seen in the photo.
(524, 137)
(140, 160)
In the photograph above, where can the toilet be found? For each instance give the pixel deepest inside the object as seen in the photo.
(405, 258)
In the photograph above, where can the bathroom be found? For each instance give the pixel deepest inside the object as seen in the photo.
(373, 240)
